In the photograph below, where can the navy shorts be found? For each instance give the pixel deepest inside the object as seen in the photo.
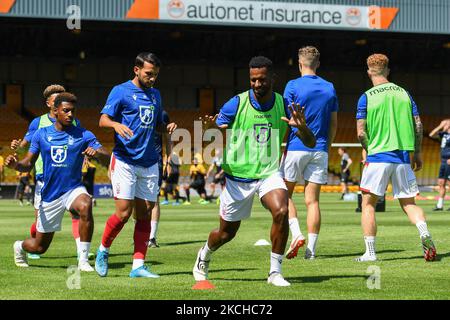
(160, 178)
(444, 171)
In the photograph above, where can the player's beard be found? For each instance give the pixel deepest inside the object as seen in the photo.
(261, 92)
(144, 84)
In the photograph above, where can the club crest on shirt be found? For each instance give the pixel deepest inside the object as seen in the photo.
(262, 132)
(58, 153)
(146, 114)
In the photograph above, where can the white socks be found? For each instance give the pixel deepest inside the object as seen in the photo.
(102, 248)
(84, 248)
(312, 241)
(154, 229)
(370, 246)
(440, 203)
(294, 227)
(137, 263)
(423, 229)
(275, 262)
(206, 252)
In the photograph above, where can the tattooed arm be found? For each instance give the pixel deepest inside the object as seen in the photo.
(362, 133)
(418, 131)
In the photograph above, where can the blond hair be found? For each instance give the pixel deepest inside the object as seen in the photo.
(309, 56)
(52, 89)
(378, 64)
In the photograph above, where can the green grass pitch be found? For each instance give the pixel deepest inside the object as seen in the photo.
(238, 269)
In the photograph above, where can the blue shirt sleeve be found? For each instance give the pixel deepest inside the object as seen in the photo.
(415, 110)
(289, 93)
(91, 140)
(361, 112)
(160, 116)
(335, 103)
(34, 125)
(228, 111)
(286, 108)
(165, 118)
(35, 146)
(113, 104)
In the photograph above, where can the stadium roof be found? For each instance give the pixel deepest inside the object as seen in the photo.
(411, 16)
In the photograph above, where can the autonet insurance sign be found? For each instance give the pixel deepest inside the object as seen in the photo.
(264, 13)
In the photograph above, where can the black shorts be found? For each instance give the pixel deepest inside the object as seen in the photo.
(23, 183)
(198, 186)
(220, 180)
(170, 188)
(173, 178)
(345, 176)
(160, 169)
(444, 171)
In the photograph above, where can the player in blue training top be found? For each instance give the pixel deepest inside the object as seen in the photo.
(442, 132)
(45, 120)
(134, 111)
(319, 99)
(63, 147)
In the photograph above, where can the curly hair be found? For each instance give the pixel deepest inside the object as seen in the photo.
(52, 89)
(65, 97)
(377, 63)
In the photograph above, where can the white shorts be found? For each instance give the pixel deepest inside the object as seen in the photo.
(37, 193)
(51, 213)
(376, 176)
(237, 198)
(312, 166)
(129, 181)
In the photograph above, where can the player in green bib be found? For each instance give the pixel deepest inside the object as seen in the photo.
(43, 121)
(256, 123)
(389, 128)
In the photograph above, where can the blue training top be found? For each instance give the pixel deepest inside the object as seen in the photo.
(141, 111)
(62, 157)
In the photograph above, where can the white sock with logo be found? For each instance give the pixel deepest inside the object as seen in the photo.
(275, 262)
(206, 252)
(440, 203)
(84, 250)
(370, 246)
(423, 229)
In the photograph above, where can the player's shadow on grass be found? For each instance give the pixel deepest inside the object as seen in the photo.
(59, 257)
(318, 279)
(439, 257)
(355, 255)
(315, 279)
(180, 243)
(214, 271)
(51, 267)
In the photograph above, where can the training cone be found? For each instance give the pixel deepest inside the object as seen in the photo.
(262, 242)
(203, 285)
